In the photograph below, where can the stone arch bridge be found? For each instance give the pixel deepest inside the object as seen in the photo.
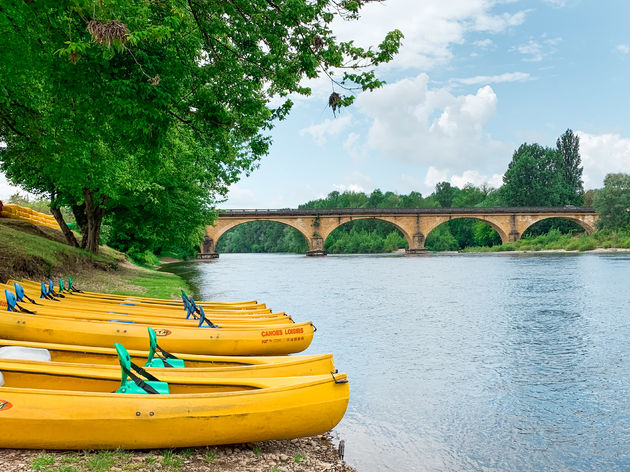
(414, 223)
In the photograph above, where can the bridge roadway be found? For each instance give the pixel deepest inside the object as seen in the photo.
(414, 223)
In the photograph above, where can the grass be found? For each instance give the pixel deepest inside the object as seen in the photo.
(171, 459)
(299, 458)
(257, 451)
(211, 455)
(32, 251)
(42, 461)
(153, 284)
(38, 253)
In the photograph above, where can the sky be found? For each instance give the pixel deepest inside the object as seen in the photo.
(474, 79)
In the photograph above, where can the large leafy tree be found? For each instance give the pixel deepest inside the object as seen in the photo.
(445, 193)
(112, 105)
(568, 145)
(534, 178)
(612, 202)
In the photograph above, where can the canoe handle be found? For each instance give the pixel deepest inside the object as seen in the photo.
(344, 381)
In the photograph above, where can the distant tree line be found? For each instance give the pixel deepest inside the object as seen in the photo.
(536, 176)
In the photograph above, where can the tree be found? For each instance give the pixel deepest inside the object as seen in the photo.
(95, 96)
(534, 178)
(568, 145)
(444, 194)
(612, 202)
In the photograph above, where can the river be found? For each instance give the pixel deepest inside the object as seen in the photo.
(498, 362)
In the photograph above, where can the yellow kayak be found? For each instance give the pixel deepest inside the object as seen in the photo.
(58, 408)
(106, 360)
(230, 341)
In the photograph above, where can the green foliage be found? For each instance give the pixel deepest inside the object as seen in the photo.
(568, 145)
(534, 178)
(263, 236)
(299, 458)
(444, 194)
(354, 238)
(556, 240)
(148, 127)
(545, 226)
(612, 202)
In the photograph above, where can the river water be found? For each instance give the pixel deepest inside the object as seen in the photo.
(460, 362)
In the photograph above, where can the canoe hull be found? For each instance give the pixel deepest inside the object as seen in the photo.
(262, 341)
(50, 419)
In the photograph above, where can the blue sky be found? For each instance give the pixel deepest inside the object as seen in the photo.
(473, 80)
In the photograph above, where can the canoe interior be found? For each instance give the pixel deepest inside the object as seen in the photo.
(19, 379)
(108, 359)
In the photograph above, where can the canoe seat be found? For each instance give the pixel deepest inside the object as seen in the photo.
(163, 359)
(137, 385)
(25, 353)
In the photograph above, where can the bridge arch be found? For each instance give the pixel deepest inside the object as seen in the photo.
(329, 229)
(588, 226)
(489, 220)
(214, 233)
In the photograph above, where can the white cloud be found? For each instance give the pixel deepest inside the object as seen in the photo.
(330, 127)
(355, 182)
(431, 27)
(603, 154)
(623, 48)
(470, 176)
(435, 176)
(484, 43)
(414, 124)
(475, 178)
(494, 79)
(537, 50)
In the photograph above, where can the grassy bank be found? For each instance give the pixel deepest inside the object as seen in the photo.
(38, 253)
(554, 240)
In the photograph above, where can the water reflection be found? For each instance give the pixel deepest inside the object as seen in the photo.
(492, 362)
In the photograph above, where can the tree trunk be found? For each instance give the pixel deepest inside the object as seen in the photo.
(67, 232)
(94, 212)
(80, 217)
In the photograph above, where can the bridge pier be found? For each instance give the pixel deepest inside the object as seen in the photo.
(316, 246)
(416, 245)
(208, 249)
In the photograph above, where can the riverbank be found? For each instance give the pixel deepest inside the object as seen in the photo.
(296, 455)
(605, 240)
(38, 253)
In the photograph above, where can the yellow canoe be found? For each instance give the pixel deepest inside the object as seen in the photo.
(256, 341)
(128, 306)
(151, 301)
(199, 366)
(61, 308)
(53, 408)
(223, 322)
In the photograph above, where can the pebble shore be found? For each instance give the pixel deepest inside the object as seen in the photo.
(317, 453)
